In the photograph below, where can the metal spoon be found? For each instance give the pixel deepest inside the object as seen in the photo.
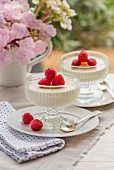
(105, 86)
(73, 126)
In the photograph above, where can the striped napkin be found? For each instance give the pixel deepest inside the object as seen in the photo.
(20, 146)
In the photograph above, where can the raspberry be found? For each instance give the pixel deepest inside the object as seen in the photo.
(36, 125)
(50, 73)
(92, 62)
(75, 63)
(44, 81)
(58, 80)
(83, 56)
(27, 118)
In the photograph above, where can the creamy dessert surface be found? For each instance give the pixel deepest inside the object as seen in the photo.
(66, 63)
(88, 75)
(35, 87)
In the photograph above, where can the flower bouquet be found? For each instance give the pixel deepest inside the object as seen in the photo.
(26, 32)
(29, 30)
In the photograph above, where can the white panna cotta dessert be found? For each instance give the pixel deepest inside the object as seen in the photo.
(91, 68)
(56, 92)
(86, 74)
(51, 97)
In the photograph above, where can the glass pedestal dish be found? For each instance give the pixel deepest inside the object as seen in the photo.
(52, 97)
(88, 76)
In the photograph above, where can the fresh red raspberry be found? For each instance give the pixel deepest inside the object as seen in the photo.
(27, 118)
(44, 81)
(50, 73)
(58, 80)
(76, 62)
(83, 56)
(36, 125)
(92, 62)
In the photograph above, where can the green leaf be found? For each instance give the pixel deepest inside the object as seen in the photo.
(56, 42)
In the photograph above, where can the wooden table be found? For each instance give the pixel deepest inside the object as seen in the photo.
(101, 156)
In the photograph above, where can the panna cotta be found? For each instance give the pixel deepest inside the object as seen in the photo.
(52, 96)
(86, 74)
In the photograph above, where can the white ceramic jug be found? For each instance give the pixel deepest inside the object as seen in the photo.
(15, 74)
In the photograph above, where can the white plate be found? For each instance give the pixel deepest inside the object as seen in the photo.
(107, 99)
(73, 112)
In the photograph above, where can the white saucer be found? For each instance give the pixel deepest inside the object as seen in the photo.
(107, 99)
(72, 111)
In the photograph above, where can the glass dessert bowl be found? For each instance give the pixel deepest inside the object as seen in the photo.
(88, 75)
(52, 97)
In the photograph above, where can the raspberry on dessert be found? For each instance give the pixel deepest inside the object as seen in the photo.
(83, 56)
(58, 80)
(44, 81)
(36, 125)
(27, 118)
(76, 62)
(50, 73)
(92, 62)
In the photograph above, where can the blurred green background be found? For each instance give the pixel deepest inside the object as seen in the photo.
(92, 27)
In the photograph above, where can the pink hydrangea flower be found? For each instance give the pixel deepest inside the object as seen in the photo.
(2, 20)
(4, 37)
(13, 11)
(2, 2)
(40, 47)
(24, 55)
(30, 20)
(45, 36)
(27, 43)
(2, 44)
(24, 3)
(19, 31)
(5, 59)
(50, 30)
(12, 14)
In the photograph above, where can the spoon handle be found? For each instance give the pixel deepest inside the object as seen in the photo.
(95, 113)
(111, 92)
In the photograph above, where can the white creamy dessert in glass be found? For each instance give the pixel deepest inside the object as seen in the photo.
(87, 75)
(52, 97)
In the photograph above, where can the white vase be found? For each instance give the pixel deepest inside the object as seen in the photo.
(15, 74)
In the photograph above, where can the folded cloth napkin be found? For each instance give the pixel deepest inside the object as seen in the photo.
(20, 146)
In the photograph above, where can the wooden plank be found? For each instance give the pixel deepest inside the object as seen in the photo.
(2, 88)
(101, 156)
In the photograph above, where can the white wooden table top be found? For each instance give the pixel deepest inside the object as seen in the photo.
(101, 155)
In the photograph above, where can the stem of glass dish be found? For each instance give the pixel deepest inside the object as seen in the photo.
(52, 112)
(54, 115)
(86, 89)
(51, 119)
